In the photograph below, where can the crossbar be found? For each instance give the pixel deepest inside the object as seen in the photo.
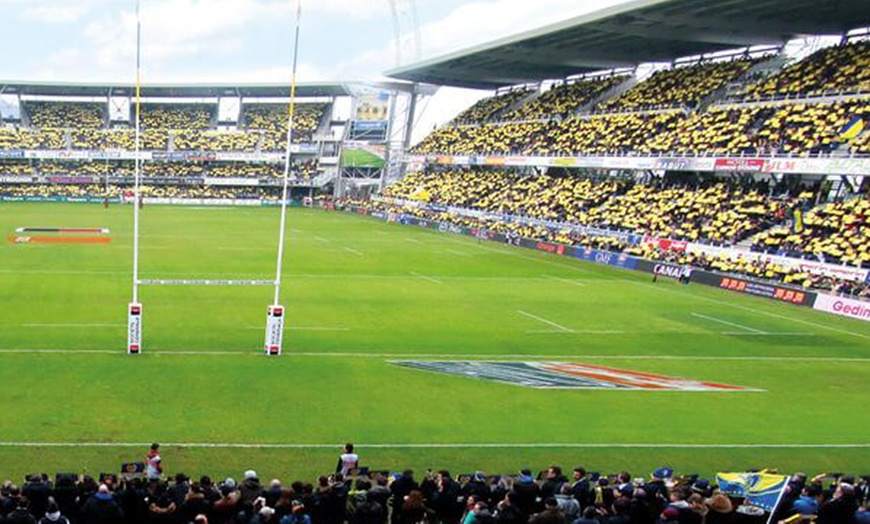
(203, 282)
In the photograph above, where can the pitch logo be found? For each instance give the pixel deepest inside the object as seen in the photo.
(566, 375)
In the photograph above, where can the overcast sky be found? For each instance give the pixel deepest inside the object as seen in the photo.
(250, 40)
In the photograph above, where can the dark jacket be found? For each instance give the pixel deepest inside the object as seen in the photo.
(102, 509)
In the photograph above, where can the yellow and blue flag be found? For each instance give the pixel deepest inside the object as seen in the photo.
(762, 490)
(852, 129)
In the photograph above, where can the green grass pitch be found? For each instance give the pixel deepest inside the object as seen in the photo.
(360, 292)
(361, 158)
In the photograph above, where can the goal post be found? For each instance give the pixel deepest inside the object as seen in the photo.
(276, 313)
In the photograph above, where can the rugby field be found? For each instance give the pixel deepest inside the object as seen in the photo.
(362, 294)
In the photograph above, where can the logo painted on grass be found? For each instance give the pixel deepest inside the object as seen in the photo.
(565, 375)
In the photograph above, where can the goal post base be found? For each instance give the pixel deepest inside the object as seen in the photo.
(274, 330)
(134, 328)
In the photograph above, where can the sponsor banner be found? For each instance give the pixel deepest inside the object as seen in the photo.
(18, 179)
(201, 156)
(781, 293)
(666, 244)
(485, 234)
(247, 157)
(369, 126)
(605, 257)
(449, 227)
(558, 249)
(89, 200)
(846, 307)
(563, 161)
(738, 164)
(670, 270)
(72, 179)
(11, 153)
(231, 181)
(203, 201)
(565, 375)
(107, 155)
(674, 164)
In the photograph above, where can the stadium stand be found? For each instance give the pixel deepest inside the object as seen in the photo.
(710, 212)
(214, 140)
(551, 496)
(60, 115)
(177, 116)
(836, 232)
(840, 69)
(488, 108)
(683, 86)
(564, 99)
(147, 191)
(32, 139)
(272, 120)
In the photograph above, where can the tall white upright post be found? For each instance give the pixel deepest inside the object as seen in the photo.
(134, 309)
(275, 319)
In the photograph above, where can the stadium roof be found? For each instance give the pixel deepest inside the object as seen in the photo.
(629, 34)
(305, 90)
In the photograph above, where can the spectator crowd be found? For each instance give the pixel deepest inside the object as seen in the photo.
(553, 496)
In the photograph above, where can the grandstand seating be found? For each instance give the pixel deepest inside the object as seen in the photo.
(213, 140)
(177, 116)
(564, 99)
(60, 115)
(682, 86)
(32, 139)
(272, 119)
(844, 68)
(837, 232)
(488, 108)
(713, 212)
(148, 191)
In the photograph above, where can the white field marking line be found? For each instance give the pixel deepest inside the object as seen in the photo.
(61, 272)
(426, 278)
(752, 310)
(440, 445)
(354, 251)
(321, 239)
(74, 325)
(304, 328)
(245, 249)
(455, 252)
(732, 324)
(545, 321)
(695, 333)
(441, 356)
(572, 282)
(768, 334)
(573, 332)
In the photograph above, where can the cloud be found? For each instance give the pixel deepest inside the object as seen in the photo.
(52, 11)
